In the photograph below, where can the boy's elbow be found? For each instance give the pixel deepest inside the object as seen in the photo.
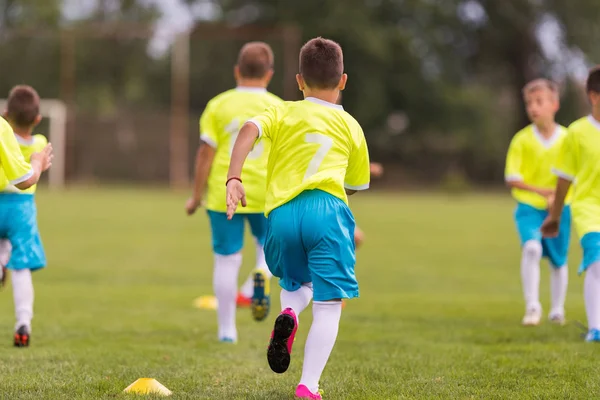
(27, 183)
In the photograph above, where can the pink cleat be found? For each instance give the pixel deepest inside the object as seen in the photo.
(302, 392)
(282, 339)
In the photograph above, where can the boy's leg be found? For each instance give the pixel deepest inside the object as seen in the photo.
(329, 237)
(23, 296)
(297, 300)
(320, 341)
(559, 281)
(591, 291)
(286, 259)
(227, 238)
(5, 251)
(27, 256)
(556, 249)
(529, 220)
(590, 243)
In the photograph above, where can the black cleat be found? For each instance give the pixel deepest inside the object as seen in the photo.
(282, 339)
(22, 337)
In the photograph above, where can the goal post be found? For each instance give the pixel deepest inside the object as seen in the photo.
(56, 113)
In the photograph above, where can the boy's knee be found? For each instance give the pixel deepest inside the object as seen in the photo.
(532, 249)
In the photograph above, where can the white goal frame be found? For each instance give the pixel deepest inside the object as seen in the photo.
(56, 111)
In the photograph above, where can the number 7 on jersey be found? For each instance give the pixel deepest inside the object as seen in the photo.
(325, 143)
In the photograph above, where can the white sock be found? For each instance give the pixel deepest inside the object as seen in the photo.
(591, 291)
(530, 273)
(23, 297)
(320, 341)
(559, 280)
(5, 252)
(225, 279)
(247, 288)
(298, 300)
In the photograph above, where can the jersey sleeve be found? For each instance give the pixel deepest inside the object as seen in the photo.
(567, 163)
(267, 122)
(358, 174)
(16, 168)
(514, 161)
(208, 130)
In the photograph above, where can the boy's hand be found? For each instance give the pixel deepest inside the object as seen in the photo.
(192, 205)
(550, 227)
(376, 169)
(235, 195)
(44, 157)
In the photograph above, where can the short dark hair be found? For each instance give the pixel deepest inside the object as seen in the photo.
(593, 80)
(321, 63)
(541, 84)
(23, 106)
(255, 60)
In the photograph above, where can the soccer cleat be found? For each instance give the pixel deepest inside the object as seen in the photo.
(242, 301)
(226, 340)
(593, 336)
(22, 337)
(532, 317)
(261, 299)
(302, 392)
(282, 339)
(557, 318)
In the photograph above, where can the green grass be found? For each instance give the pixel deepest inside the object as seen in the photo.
(438, 316)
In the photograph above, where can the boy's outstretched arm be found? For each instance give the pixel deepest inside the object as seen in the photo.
(551, 225)
(204, 159)
(242, 147)
(515, 184)
(40, 162)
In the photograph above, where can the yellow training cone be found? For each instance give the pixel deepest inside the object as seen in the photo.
(206, 303)
(147, 386)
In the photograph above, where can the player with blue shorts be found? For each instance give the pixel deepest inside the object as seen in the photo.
(318, 156)
(529, 161)
(578, 163)
(219, 126)
(21, 249)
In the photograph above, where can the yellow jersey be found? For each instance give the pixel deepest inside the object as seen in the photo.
(579, 162)
(219, 126)
(530, 160)
(14, 169)
(314, 145)
(28, 147)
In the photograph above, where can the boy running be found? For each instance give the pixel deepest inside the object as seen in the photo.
(318, 156)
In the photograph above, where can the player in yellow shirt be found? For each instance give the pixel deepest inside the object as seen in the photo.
(219, 126)
(529, 161)
(579, 163)
(318, 156)
(21, 247)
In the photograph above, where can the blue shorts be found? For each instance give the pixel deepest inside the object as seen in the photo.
(529, 221)
(18, 224)
(228, 236)
(311, 239)
(590, 243)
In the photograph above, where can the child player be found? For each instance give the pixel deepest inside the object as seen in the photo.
(578, 163)
(219, 126)
(318, 156)
(531, 155)
(21, 248)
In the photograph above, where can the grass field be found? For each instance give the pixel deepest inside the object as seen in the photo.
(438, 316)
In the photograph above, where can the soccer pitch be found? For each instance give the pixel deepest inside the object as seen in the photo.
(438, 316)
